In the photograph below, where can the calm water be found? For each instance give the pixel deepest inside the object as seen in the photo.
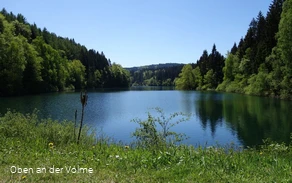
(217, 118)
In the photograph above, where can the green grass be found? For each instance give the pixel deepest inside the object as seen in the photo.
(25, 143)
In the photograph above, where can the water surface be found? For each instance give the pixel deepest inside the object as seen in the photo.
(217, 118)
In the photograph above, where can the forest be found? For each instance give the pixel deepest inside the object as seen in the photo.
(34, 60)
(261, 63)
(155, 75)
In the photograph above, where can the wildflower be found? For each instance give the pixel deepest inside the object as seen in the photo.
(23, 177)
(127, 147)
(51, 144)
(93, 147)
(261, 153)
(117, 156)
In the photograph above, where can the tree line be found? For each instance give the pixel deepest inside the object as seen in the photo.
(205, 74)
(155, 75)
(261, 63)
(34, 60)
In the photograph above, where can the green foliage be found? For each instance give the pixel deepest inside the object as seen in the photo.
(29, 128)
(98, 78)
(167, 82)
(209, 80)
(21, 29)
(222, 86)
(198, 79)
(120, 76)
(186, 80)
(154, 133)
(207, 73)
(27, 141)
(34, 60)
(231, 67)
(258, 84)
(12, 61)
(284, 36)
(53, 71)
(155, 75)
(77, 74)
(262, 64)
(32, 73)
(284, 45)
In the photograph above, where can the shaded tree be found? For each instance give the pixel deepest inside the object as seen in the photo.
(234, 49)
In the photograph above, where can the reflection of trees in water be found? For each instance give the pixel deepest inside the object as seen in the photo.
(257, 118)
(251, 118)
(209, 110)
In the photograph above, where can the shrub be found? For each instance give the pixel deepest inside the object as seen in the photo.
(154, 133)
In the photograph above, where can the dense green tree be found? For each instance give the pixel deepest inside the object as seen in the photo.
(259, 69)
(259, 65)
(218, 61)
(35, 31)
(240, 49)
(203, 61)
(209, 82)
(155, 75)
(98, 78)
(12, 60)
(215, 62)
(32, 73)
(50, 65)
(261, 50)
(275, 62)
(272, 23)
(2, 19)
(258, 84)
(250, 45)
(167, 82)
(231, 67)
(20, 18)
(12, 65)
(22, 29)
(77, 74)
(285, 45)
(198, 79)
(234, 49)
(34, 60)
(120, 76)
(185, 80)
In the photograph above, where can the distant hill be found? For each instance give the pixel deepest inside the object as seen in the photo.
(153, 66)
(155, 74)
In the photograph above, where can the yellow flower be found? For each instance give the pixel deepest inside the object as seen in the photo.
(23, 177)
(51, 144)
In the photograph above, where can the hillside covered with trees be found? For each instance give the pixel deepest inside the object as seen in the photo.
(34, 60)
(205, 74)
(261, 63)
(155, 75)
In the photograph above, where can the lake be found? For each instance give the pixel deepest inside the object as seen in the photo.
(217, 118)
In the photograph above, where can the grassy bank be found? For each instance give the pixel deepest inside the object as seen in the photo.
(43, 146)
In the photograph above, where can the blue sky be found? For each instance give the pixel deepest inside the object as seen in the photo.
(143, 32)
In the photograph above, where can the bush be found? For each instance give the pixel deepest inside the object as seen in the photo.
(155, 131)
